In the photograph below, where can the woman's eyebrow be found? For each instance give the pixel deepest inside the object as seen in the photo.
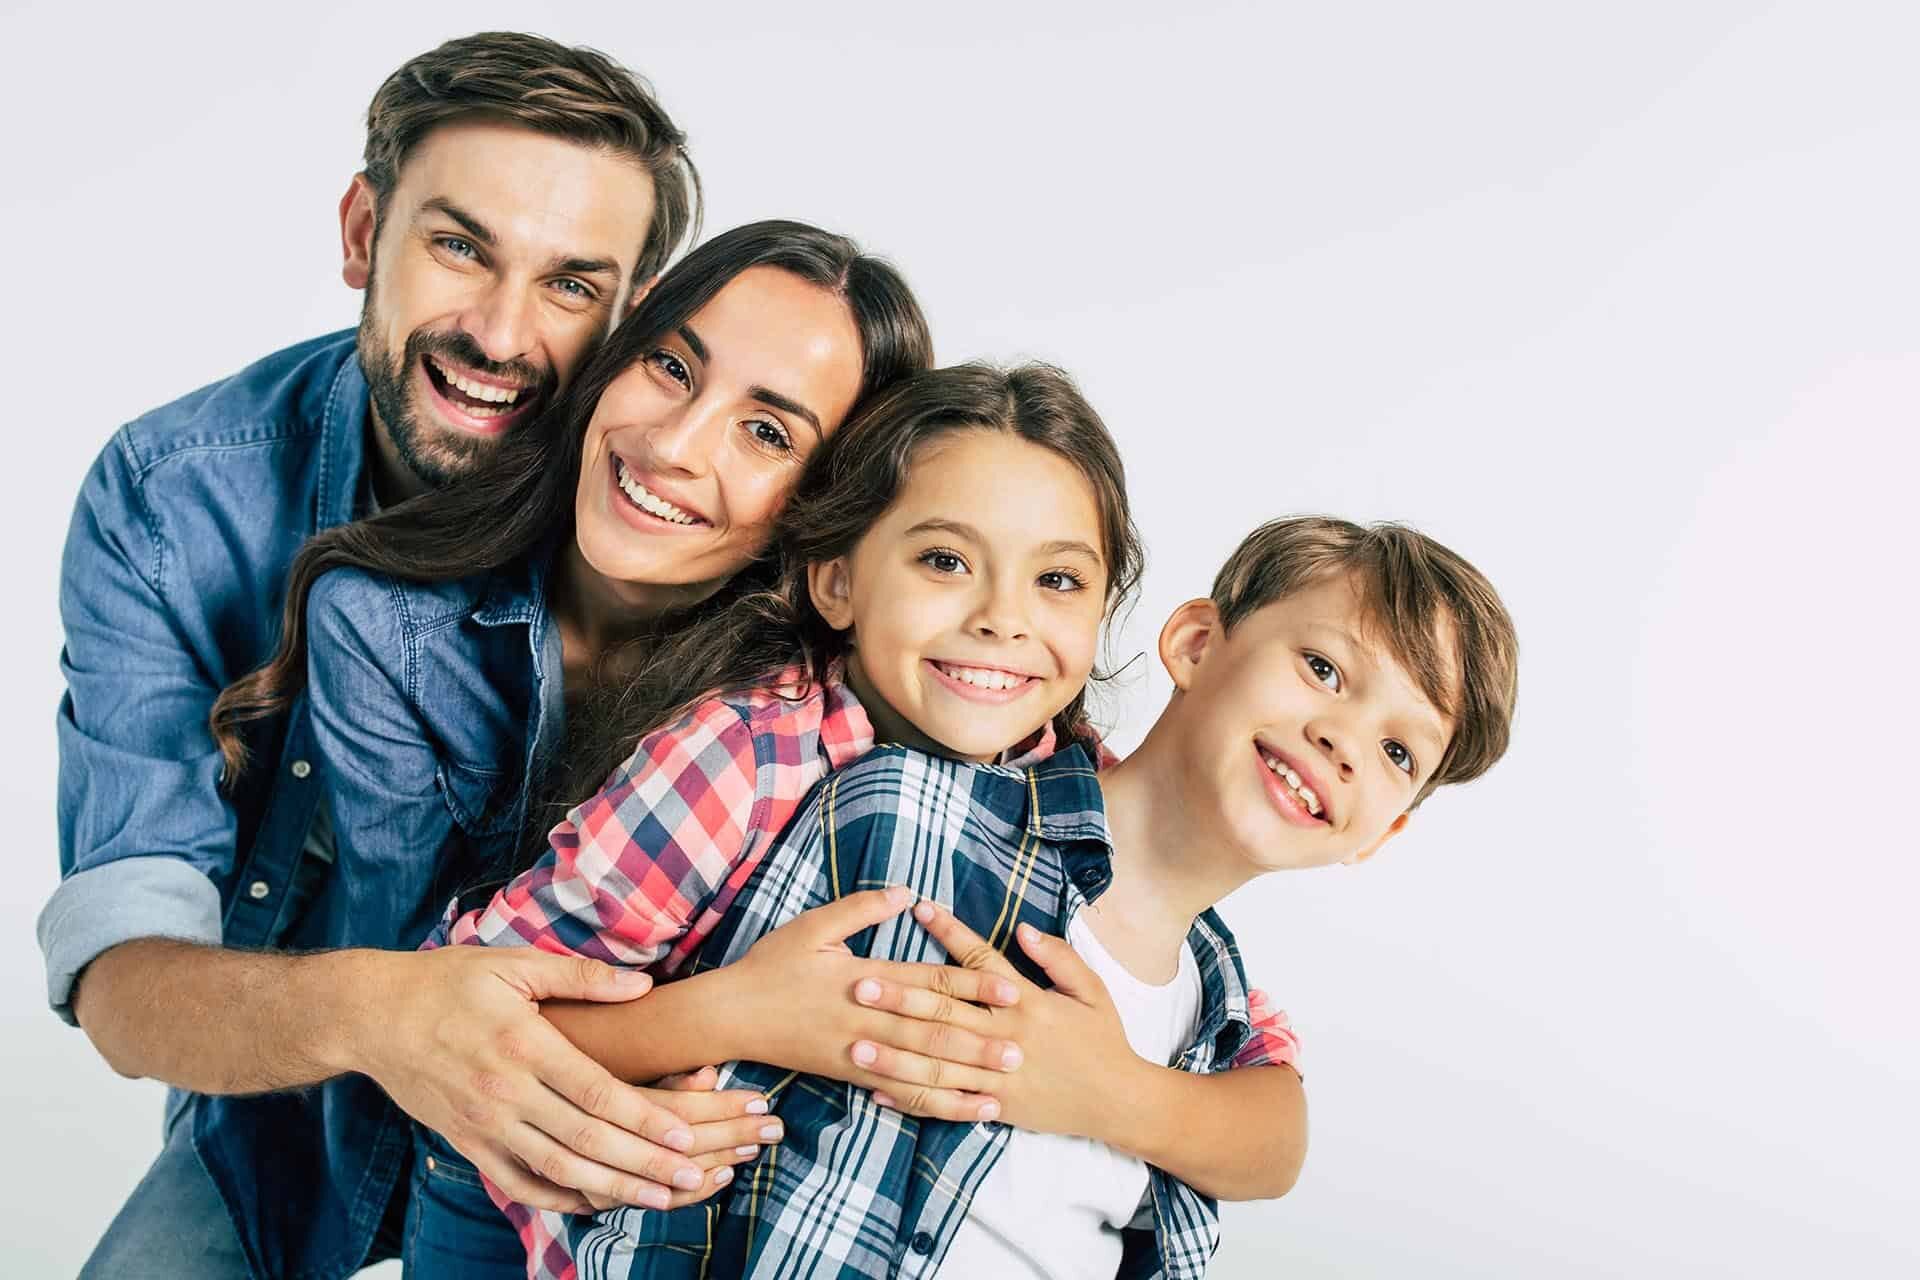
(786, 404)
(692, 339)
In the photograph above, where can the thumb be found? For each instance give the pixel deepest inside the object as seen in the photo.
(549, 977)
(1062, 964)
(838, 921)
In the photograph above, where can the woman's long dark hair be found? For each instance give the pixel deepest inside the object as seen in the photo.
(846, 487)
(523, 495)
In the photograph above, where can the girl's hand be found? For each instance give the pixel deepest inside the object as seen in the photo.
(797, 992)
(1077, 1058)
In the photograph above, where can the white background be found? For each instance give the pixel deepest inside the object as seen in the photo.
(1620, 301)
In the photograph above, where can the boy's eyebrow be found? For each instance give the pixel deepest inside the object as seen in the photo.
(1062, 546)
(479, 230)
(1427, 720)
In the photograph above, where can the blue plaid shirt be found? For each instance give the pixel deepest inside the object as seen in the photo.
(857, 1190)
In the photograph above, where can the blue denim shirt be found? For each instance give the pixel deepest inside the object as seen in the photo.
(171, 587)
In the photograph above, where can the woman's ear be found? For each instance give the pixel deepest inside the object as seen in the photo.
(1185, 639)
(830, 585)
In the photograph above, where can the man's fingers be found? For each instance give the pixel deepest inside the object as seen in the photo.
(975, 986)
(559, 1164)
(505, 1171)
(1071, 975)
(540, 976)
(838, 921)
(592, 1089)
(967, 948)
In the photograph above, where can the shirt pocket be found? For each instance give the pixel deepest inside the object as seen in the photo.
(483, 802)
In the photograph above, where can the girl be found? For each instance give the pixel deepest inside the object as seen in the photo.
(447, 643)
(949, 559)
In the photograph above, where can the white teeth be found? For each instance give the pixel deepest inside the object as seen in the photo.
(478, 390)
(648, 501)
(983, 678)
(1292, 779)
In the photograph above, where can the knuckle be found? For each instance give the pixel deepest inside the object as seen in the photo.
(511, 1044)
(597, 1095)
(553, 1167)
(918, 1100)
(976, 955)
(587, 971)
(491, 1084)
(585, 1140)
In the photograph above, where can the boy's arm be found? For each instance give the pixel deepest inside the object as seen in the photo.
(1234, 1135)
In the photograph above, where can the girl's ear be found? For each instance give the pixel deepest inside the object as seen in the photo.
(1184, 640)
(830, 585)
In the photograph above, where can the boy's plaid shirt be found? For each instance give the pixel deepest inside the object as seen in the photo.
(650, 873)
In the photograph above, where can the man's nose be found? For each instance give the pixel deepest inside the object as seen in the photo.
(501, 321)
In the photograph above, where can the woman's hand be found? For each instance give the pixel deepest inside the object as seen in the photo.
(728, 1128)
(797, 990)
(1076, 1053)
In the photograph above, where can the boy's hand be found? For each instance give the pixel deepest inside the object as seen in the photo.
(1075, 1048)
(795, 987)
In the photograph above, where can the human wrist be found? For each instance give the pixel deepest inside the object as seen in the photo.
(1129, 1111)
(348, 991)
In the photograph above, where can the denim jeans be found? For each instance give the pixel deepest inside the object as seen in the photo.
(173, 1225)
(454, 1232)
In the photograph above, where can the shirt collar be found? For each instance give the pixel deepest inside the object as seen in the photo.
(343, 437)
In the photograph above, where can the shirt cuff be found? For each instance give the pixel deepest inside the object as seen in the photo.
(97, 909)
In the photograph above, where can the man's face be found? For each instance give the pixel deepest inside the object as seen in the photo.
(1306, 737)
(501, 256)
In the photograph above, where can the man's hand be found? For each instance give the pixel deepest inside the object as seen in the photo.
(456, 1038)
(799, 981)
(1074, 1044)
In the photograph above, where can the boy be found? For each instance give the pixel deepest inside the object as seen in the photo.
(1334, 679)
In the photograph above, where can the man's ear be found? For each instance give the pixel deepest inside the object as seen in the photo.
(640, 292)
(1184, 641)
(830, 584)
(1399, 825)
(356, 232)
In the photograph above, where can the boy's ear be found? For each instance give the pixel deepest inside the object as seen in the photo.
(1185, 639)
(831, 588)
(356, 232)
(1399, 825)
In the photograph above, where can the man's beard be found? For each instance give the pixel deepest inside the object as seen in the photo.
(436, 455)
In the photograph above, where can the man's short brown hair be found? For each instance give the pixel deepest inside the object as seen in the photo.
(1417, 595)
(580, 94)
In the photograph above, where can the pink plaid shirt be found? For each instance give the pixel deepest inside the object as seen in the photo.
(640, 874)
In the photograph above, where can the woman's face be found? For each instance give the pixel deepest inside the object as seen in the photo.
(693, 450)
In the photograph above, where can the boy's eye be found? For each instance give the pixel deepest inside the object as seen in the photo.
(943, 562)
(1061, 580)
(671, 365)
(1401, 757)
(1323, 671)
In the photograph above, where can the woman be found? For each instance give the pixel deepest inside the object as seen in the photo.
(454, 645)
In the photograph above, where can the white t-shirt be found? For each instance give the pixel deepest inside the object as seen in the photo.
(1054, 1207)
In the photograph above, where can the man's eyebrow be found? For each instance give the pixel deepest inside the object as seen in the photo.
(585, 267)
(785, 404)
(474, 227)
(692, 339)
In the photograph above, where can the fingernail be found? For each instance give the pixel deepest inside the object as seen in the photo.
(864, 1053)
(653, 1197)
(1027, 932)
(748, 1152)
(758, 1107)
(679, 1140)
(632, 977)
(923, 912)
(886, 1100)
(896, 894)
(866, 991)
(687, 1179)
(722, 1176)
(989, 1111)
(770, 1133)
(1011, 1057)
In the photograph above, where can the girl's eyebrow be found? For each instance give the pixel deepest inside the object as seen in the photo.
(960, 529)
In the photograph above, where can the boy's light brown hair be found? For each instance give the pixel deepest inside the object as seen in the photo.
(580, 94)
(1418, 596)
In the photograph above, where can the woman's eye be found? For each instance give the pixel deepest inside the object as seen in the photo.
(671, 365)
(1061, 580)
(1323, 671)
(771, 434)
(943, 562)
(1401, 757)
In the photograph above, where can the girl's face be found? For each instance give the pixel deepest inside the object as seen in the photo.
(976, 601)
(693, 450)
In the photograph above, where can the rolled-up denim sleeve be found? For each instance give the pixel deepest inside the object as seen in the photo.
(146, 837)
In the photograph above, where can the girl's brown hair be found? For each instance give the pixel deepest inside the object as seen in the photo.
(522, 499)
(848, 485)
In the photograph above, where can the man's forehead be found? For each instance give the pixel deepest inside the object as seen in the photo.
(532, 192)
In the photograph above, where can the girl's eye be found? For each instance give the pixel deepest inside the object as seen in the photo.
(771, 434)
(460, 248)
(1401, 757)
(671, 365)
(1323, 671)
(1062, 580)
(943, 562)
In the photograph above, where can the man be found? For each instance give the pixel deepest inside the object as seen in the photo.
(517, 197)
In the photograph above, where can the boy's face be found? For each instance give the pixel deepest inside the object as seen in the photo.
(1301, 734)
